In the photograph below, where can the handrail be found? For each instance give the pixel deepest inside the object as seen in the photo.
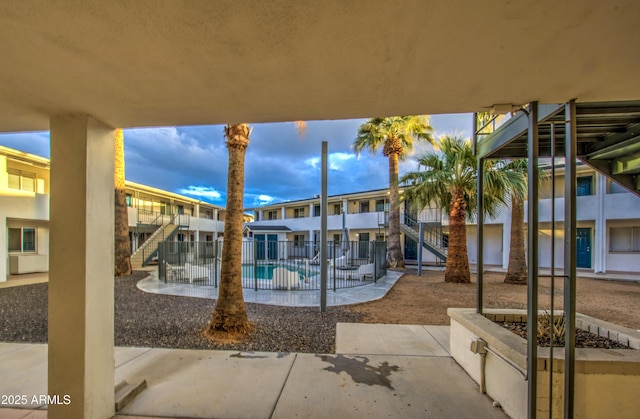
(145, 215)
(432, 232)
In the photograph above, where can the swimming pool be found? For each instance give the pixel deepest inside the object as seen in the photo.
(252, 271)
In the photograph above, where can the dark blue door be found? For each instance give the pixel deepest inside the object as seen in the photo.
(260, 245)
(266, 249)
(410, 248)
(583, 247)
(272, 243)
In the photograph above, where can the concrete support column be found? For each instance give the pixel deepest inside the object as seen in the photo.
(81, 295)
(4, 267)
(4, 247)
(600, 245)
(283, 211)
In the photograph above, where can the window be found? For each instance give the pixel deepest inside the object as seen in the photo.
(298, 212)
(380, 205)
(364, 206)
(128, 200)
(209, 238)
(316, 210)
(298, 240)
(584, 186)
(272, 215)
(24, 181)
(336, 239)
(445, 240)
(624, 239)
(337, 209)
(180, 209)
(256, 214)
(22, 239)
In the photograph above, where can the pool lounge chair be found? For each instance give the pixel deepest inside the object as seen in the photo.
(284, 278)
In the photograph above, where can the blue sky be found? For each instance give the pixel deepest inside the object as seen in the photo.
(279, 165)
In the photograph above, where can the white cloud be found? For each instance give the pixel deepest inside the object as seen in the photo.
(204, 192)
(337, 161)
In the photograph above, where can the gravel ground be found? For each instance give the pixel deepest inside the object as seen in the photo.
(163, 321)
(584, 339)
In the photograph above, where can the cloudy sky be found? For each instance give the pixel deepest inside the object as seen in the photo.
(280, 165)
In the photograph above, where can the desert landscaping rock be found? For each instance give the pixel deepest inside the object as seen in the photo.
(152, 320)
(163, 321)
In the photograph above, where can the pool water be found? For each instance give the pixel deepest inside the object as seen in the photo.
(266, 271)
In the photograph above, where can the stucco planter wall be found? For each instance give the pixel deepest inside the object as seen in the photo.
(606, 380)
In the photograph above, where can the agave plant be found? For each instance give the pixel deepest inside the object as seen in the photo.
(550, 324)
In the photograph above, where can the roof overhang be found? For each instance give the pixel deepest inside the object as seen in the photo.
(138, 63)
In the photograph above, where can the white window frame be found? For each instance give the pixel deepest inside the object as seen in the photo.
(22, 240)
(21, 174)
(624, 239)
(298, 240)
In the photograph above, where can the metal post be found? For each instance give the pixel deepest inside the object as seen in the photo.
(570, 256)
(480, 234)
(323, 230)
(420, 244)
(553, 261)
(532, 256)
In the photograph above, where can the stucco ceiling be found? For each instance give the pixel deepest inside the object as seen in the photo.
(152, 63)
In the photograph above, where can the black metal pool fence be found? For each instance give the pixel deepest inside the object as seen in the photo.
(275, 265)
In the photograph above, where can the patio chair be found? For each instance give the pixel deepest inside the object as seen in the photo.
(341, 261)
(366, 270)
(196, 272)
(284, 278)
(172, 273)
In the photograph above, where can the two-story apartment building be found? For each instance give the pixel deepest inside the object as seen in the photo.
(608, 224)
(299, 221)
(24, 213)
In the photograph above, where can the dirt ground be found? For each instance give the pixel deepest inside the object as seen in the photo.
(424, 299)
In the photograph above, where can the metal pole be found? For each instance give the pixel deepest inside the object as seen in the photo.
(323, 230)
(553, 261)
(420, 244)
(480, 234)
(532, 256)
(570, 256)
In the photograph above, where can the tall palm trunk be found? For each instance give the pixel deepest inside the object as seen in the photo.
(395, 258)
(517, 269)
(122, 244)
(230, 314)
(457, 268)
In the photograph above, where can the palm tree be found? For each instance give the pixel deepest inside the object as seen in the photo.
(396, 135)
(517, 268)
(230, 314)
(122, 246)
(449, 180)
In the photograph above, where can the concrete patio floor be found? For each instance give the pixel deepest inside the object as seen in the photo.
(377, 371)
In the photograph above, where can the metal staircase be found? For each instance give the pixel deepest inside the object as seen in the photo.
(167, 227)
(432, 235)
